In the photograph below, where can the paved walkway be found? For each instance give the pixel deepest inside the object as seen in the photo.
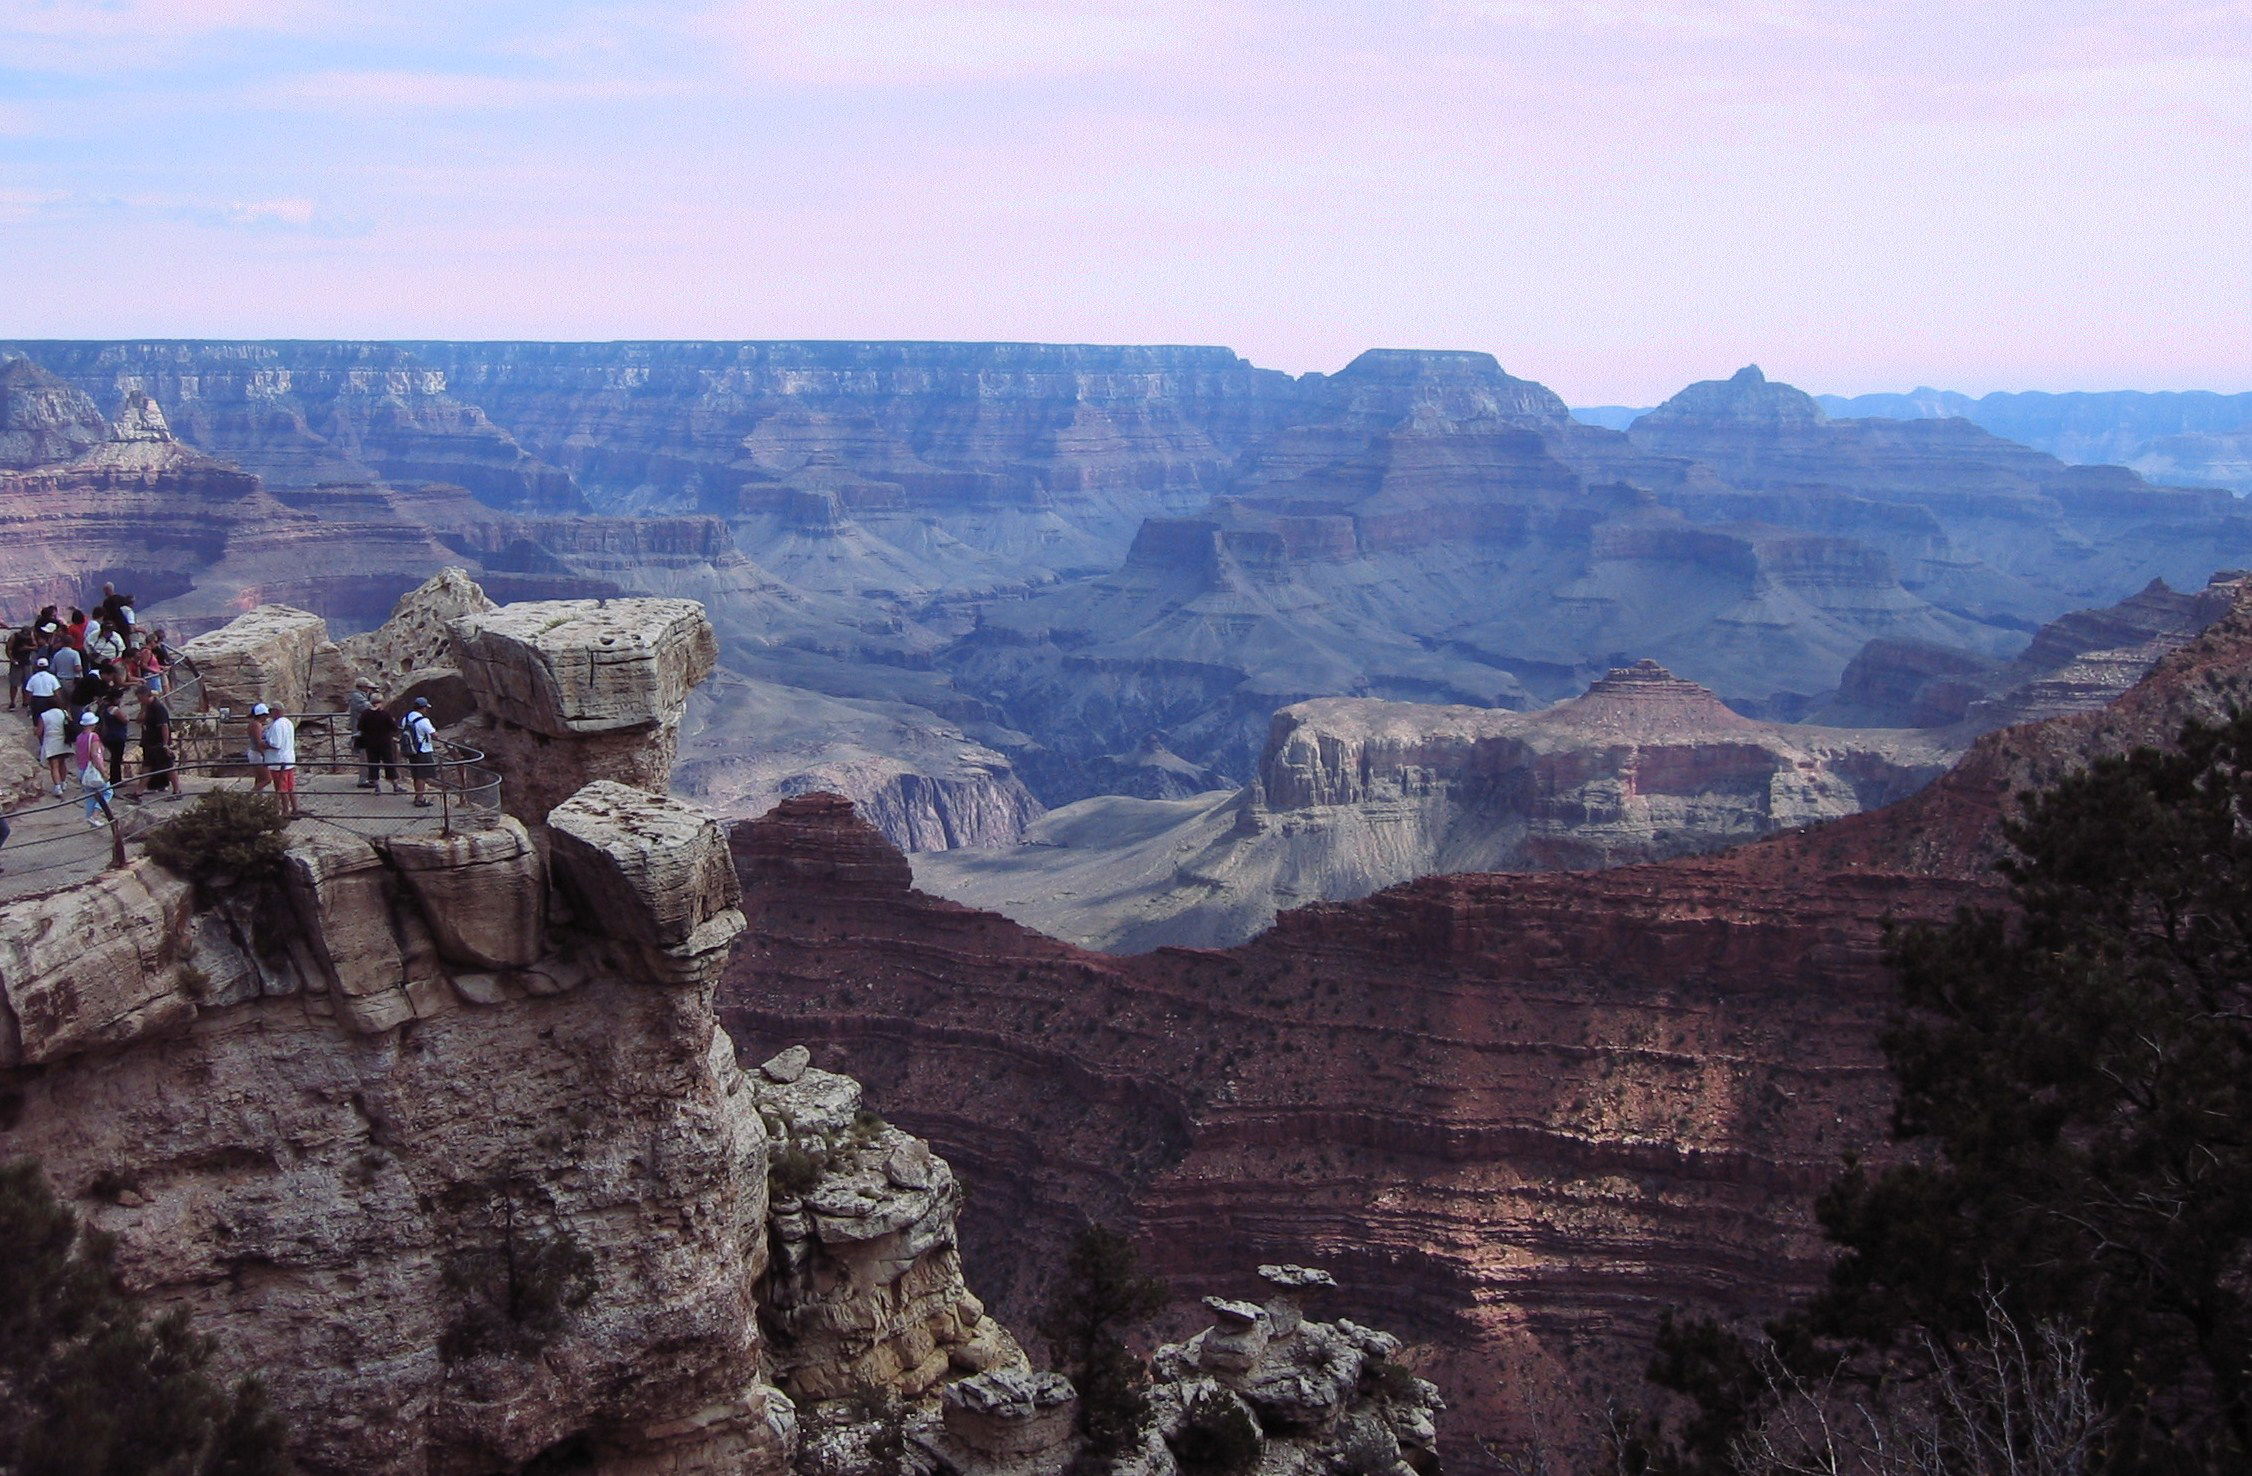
(51, 845)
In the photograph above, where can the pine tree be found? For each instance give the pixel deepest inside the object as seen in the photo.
(1100, 1299)
(2076, 1090)
(88, 1386)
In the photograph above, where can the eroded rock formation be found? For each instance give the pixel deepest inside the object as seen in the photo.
(1356, 795)
(1518, 1114)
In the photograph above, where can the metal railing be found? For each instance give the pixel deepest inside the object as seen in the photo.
(465, 794)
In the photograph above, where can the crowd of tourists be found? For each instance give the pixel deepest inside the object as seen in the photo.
(87, 679)
(84, 679)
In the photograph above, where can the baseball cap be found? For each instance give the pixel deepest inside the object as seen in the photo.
(42, 661)
(422, 702)
(258, 709)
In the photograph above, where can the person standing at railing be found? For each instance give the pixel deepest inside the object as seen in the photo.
(158, 657)
(90, 758)
(115, 735)
(422, 748)
(54, 743)
(281, 760)
(156, 742)
(257, 750)
(67, 663)
(376, 735)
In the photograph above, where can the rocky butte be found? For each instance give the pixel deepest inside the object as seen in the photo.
(1355, 795)
(1518, 1114)
(439, 1135)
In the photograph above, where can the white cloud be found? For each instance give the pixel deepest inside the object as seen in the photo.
(1695, 19)
(901, 42)
(295, 212)
(462, 91)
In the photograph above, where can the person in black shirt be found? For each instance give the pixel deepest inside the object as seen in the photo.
(378, 735)
(114, 733)
(156, 741)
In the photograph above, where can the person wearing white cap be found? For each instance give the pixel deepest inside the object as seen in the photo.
(257, 750)
(40, 687)
(280, 739)
(422, 748)
(91, 759)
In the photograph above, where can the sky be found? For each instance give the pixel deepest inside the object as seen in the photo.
(1615, 197)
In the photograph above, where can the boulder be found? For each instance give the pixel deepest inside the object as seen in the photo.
(568, 668)
(336, 881)
(267, 655)
(91, 965)
(1006, 1415)
(482, 892)
(649, 871)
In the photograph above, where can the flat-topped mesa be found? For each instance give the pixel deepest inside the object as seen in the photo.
(571, 691)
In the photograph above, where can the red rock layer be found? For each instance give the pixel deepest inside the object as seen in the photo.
(1518, 1114)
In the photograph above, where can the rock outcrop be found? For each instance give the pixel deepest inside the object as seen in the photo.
(338, 1133)
(273, 654)
(865, 1290)
(605, 679)
(1518, 1115)
(435, 1130)
(1354, 796)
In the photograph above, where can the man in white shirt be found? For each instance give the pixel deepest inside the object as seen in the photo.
(41, 686)
(280, 740)
(421, 736)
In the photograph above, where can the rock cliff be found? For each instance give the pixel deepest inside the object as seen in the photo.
(1518, 1114)
(466, 1174)
(1354, 796)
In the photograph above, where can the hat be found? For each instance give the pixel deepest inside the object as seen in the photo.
(421, 702)
(48, 628)
(42, 661)
(87, 719)
(364, 684)
(258, 709)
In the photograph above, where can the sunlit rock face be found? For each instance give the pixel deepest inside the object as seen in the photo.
(1517, 1115)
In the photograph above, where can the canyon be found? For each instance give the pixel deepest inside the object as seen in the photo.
(1353, 795)
(1522, 1113)
(958, 581)
(436, 1133)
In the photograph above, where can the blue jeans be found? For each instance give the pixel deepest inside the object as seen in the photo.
(97, 795)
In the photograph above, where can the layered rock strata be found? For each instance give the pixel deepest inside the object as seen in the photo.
(1519, 1115)
(1356, 795)
(606, 679)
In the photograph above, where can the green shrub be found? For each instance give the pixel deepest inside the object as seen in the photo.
(226, 839)
(866, 1128)
(792, 1171)
(1097, 1303)
(1218, 1438)
(515, 1297)
(1393, 1381)
(92, 1387)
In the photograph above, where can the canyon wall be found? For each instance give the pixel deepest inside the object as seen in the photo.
(1354, 795)
(1519, 1114)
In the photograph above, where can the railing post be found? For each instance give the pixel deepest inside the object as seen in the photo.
(116, 837)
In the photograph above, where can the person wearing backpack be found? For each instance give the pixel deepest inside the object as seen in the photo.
(422, 748)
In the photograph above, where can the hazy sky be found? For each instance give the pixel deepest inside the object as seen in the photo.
(1613, 196)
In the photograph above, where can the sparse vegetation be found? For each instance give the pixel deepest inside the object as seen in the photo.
(516, 1293)
(1218, 1437)
(792, 1170)
(226, 839)
(86, 1383)
(1101, 1298)
(2056, 1282)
